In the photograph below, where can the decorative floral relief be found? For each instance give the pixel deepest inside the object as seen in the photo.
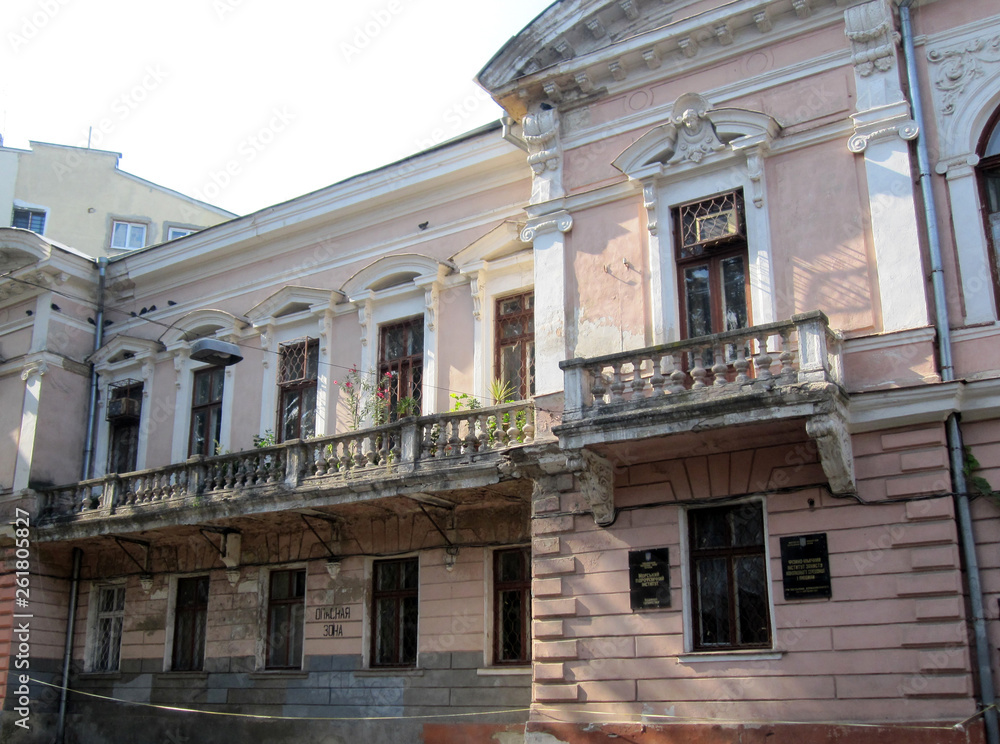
(960, 65)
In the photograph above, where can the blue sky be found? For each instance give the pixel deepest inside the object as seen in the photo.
(247, 103)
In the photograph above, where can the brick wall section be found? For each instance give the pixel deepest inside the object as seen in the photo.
(983, 439)
(890, 644)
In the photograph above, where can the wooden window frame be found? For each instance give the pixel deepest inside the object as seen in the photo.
(210, 405)
(183, 643)
(989, 166)
(308, 380)
(523, 586)
(398, 595)
(730, 553)
(713, 254)
(402, 368)
(527, 377)
(299, 630)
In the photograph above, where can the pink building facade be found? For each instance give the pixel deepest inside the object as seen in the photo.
(666, 411)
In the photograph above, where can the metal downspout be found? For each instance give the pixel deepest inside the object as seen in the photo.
(68, 648)
(956, 451)
(88, 450)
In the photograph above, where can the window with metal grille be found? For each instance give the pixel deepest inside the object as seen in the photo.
(124, 408)
(297, 373)
(108, 628)
(514, 333)
(714, 284)
(729, 598)
(206, 411)
(190, 617)
(29, 219)
(128, 235)
(512, 606)
(989, 184)
(394, 613)
(401, 356)
(286, 612)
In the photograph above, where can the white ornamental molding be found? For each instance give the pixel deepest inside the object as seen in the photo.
(958, 66)
(873, 39)
(696, 136)
(558, 221)
(540, 131)
(649, 202)
(432, 296)
(905, 131)
(365, 319)
(478, 288)
(38, 367)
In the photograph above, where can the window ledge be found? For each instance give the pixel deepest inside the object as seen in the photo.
(499, 671)
(171, 674)
(389, 672)
(100, 675)
(282, 673)
(699, 657)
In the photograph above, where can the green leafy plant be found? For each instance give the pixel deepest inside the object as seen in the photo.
(407, 406)
(465, 402)
(266, 440)
(976, 483)
(502, 391)
(368, 397)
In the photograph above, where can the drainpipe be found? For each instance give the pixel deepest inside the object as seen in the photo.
(68, 649)
(88, 450)
(954, 434)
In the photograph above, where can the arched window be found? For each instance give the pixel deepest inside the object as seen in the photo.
(989, 184)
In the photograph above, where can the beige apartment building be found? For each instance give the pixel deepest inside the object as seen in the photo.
(78, 196)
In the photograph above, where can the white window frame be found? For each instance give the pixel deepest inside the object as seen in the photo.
(128, 232)
(178, 232)
(171, 618)
(687, 588)
(93, 621)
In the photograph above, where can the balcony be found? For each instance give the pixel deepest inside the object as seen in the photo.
(459, 451)
(759, 375)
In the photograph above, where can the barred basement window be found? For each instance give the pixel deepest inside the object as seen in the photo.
(297, 374)
(394, 613)
(514, 360)
(512, 606)
(190, 617)
(286, 619)
(108, 628)
(729, 599)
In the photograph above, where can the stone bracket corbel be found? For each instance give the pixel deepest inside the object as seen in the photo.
(561, 221)
(596, 478)
(833, 440)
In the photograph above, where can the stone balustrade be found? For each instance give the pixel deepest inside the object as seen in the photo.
(800, 350)
(409, 444)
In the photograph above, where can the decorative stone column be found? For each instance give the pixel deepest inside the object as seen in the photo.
(881, 127)
(31, 374)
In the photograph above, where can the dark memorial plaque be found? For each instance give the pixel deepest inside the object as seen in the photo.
(805, 566)
(649, 578)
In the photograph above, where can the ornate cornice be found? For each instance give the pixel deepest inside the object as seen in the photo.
(873, 39)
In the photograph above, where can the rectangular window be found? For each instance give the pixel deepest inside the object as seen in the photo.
(514, 332)
(298, 367)
(128, 235)
(108, 628)
(286, 611)
(729, 598)
(394, 613)
(190, 616)
(124, 408)
(401, 355)
(178, 232)
(206, 411)
(512, 606)
(712, 265)
(29, 219)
